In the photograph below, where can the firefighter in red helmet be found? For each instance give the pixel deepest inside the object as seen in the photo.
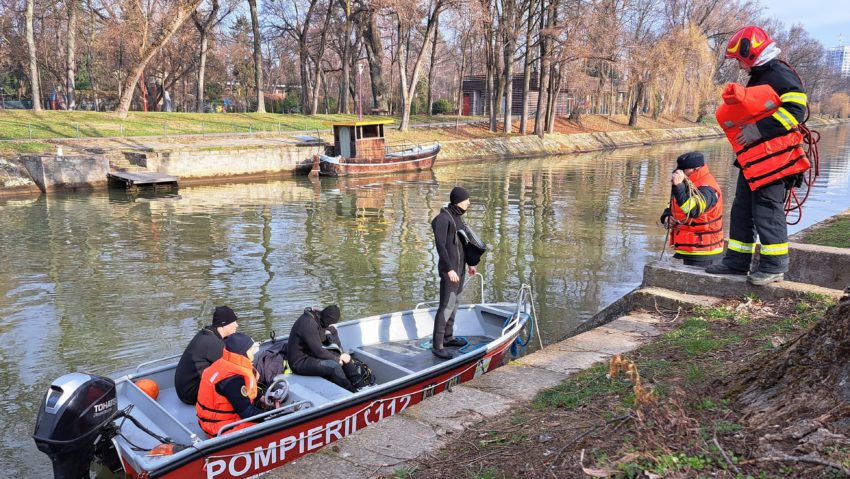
(759, 213)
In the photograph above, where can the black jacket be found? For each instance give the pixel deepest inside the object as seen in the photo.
(305, 341)
(204, 349)
(783, 80)
(449, 247)
(232, 389)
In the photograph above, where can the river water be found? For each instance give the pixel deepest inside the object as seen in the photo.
(103, 281)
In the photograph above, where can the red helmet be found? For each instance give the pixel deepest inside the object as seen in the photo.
(747, 44)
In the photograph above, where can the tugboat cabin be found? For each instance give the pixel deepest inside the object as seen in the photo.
(360, 139)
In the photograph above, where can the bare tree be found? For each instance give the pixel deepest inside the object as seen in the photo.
(258, 57)
(406, 24)
(180, 11)
(34, 81)
(375, 56)
(71, 60)
(204, 22)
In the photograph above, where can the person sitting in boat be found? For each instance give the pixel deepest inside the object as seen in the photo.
(452, 268)
(229, 387)
(204, 349)
(314, 348)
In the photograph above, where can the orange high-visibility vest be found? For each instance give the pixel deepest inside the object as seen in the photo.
(213, 409)
(702, 235)
(766, 160)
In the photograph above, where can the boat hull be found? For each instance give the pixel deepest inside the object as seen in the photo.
(264, 450)
(413, 162)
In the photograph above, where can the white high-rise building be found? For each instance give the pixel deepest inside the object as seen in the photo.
(839, 59)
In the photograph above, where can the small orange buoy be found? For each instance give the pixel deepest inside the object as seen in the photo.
(149, 386)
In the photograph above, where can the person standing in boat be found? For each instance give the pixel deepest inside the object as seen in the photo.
(306, 350)
(229, 387)
(452, 270)
(204, 349)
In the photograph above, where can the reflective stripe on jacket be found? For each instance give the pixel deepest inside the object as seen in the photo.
(766, 160)
(702, 235)
(213, 409)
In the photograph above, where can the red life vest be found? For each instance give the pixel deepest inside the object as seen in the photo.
(767, 160)
(702, 235)
(213, 409)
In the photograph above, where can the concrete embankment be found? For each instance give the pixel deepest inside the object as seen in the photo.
(223, 158)
(418, 433)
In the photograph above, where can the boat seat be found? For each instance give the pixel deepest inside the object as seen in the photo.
(315, 389)
(181, 411)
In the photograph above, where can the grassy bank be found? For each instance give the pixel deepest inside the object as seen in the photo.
(834, 232)
(687, 426)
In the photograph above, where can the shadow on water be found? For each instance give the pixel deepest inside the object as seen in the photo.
(99, 282)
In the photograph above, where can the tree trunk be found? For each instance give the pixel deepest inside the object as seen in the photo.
(34, 82)
(375, 56)
(258, 57)
(202, 67)
(71, 58)
(89, 58)
(543, 91)
(431, 70)
(408, 89)
(459, 101)
(345, 75)
(633, 114)
(526, 72)
(509, 87)
(182, 13)
(314, 107)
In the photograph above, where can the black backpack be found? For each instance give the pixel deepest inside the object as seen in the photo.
(271, 362)
(358, 373)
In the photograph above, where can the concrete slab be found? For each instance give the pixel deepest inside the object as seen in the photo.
(694, 280)
(459, 408)
(320, 464)
(560, 360)
(518, 382)
(825, 266)
(637, 323)
(384, 447)
(653, 297)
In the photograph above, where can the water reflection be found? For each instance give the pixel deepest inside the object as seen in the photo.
(102, 281)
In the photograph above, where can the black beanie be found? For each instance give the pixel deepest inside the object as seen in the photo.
(238, 343)
(329, 315)
(693, 159)
(458, 195)
(223, 316)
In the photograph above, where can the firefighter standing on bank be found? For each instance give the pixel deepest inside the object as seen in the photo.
(761, 211)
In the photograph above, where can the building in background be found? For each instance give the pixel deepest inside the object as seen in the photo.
(839, 59)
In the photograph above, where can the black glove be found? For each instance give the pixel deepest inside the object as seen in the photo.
(664, 216)
(793, 181)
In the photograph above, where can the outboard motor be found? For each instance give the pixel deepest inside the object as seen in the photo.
(74, 413)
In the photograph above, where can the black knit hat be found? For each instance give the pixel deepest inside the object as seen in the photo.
(330, 315)
(692, 159)
(238, 343)
(458, 195)
(223, 316)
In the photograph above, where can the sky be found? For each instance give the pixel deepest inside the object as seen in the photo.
(823, 19)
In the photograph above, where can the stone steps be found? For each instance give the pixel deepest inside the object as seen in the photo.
(691, 280)
(654, 297)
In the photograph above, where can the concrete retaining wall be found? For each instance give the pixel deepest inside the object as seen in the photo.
(14, 178)
(65, 172)
(558, 144)
(218, 162)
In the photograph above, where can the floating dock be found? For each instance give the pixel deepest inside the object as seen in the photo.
(142, 179)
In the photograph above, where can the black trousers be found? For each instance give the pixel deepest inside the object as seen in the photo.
(759, 213)
(697, 260)
(327, 368)
(445, 318)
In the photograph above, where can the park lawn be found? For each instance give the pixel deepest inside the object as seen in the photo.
(26, 124)
(13, 148)
(835, 232)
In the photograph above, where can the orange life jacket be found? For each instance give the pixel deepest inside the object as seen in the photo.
(213, 409)
(766, 160)
(702, 235)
